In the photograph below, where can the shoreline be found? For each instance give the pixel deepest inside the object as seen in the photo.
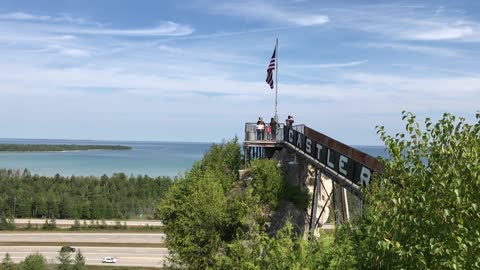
(30, 148)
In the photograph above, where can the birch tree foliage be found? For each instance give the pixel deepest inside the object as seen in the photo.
(423, 211)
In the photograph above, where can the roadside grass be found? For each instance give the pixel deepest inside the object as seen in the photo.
(82, 225)
(89, 230)
(103, 267)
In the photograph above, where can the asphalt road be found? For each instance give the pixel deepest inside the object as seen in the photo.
(140, 238)
(126, 256)
(69, 222)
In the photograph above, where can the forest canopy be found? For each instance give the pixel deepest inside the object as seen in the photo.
(82, 197)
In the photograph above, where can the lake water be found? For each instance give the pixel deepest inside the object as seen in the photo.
(151, 158)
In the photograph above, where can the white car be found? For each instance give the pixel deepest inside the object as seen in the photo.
(109, 260)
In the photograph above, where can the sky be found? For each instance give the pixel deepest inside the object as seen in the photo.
(195, 70)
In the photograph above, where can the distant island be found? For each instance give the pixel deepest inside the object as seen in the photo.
(57, 147)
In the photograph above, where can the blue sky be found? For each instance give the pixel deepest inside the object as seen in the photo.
(195, 70)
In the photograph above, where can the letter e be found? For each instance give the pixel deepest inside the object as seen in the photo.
(341, 164)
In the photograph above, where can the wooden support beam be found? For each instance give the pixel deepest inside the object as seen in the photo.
(313, 215)
(339, 179)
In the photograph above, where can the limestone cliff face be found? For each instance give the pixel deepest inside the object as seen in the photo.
(300, 173)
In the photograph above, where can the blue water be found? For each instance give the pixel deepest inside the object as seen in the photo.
(150, 158)
(375, 151)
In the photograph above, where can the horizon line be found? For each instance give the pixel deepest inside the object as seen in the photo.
(107, 140)
(151, 141)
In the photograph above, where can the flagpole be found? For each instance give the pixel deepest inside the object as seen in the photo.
(276, 81)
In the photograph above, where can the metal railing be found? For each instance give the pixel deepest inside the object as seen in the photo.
(267, 134)
(299, 128)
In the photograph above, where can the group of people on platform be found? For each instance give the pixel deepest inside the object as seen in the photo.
(269, 131)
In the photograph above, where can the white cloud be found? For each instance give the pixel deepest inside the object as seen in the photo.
(423, 88)
(163, 29)
(270, 12)
(430, 50)
(152, 87)
(78, 66)
(24, 16)
(73, 52)
(307, 20)
(402, 22)
(330, 65)
(170, 49)
(68, 25)
(62, 18)
(442, 33)
(66, 37)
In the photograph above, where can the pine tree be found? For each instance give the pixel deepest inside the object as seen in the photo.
(79, 263)
(7, 263)
(34, 262)
(65, 260)
(53, 223)
(76, 225)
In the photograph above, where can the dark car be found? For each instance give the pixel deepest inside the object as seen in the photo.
(67, 249)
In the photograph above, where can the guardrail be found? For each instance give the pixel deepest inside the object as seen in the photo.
(252, 133)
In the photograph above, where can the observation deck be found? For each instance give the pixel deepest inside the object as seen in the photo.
(263, 143)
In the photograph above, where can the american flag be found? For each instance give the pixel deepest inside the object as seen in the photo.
(271, 68)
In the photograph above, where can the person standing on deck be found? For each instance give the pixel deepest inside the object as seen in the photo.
(274, 127)
(289, 122)
(260, 128)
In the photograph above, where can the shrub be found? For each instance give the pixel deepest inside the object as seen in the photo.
(268, 181)
(7, 224)
(34, 262)
(76, 225)
(298, 196)
(423, 211)
(7, 263)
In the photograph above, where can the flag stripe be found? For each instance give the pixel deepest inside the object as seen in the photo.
(271, 68)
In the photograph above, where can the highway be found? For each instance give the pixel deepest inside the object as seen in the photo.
(75, 237)
(126, 256)
(70, 222)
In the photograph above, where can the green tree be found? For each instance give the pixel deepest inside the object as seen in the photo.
(268, 181)
(79, 263)
(423, 211)
(76, 225)
(65, 260)
(195, 210)
(7, 223)
(53, 223)
(34, 262)
(7, 262)
(194, 226)
(283, 251)
(214, 221)
(103, 197)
